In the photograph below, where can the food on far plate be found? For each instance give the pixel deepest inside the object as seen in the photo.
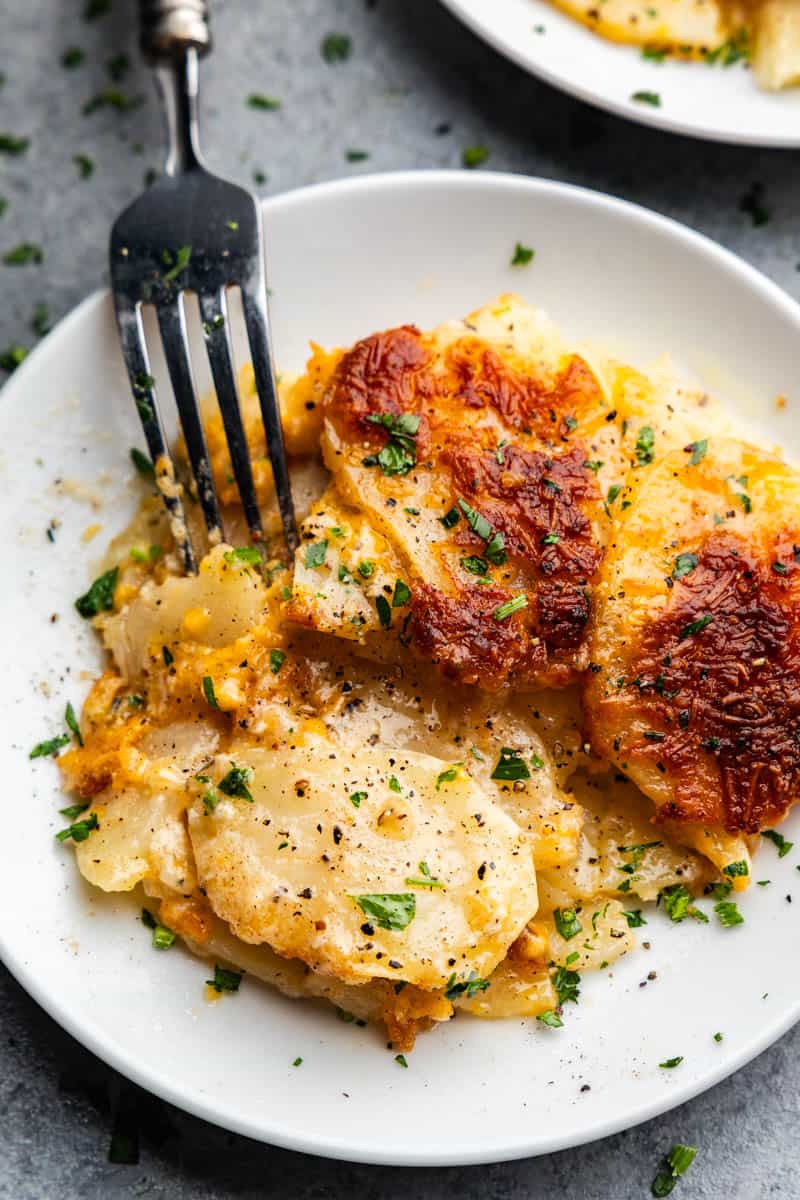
(534, 666)
(765, 33)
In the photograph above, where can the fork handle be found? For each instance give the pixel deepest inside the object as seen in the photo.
(168, 28)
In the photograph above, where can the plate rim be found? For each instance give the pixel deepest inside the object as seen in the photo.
(655, 118)
(108, 1049)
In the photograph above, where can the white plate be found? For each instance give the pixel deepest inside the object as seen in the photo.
(346, 259)
(723, 104)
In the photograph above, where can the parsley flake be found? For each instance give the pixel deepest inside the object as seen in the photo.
(389, 910)
(100, 596)
(522, 255)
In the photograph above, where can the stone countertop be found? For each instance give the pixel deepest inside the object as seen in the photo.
(413, 69)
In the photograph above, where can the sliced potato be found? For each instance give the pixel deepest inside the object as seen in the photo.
(364, 863)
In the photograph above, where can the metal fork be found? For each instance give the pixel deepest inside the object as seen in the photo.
(192, 231)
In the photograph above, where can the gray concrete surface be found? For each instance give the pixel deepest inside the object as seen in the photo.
(412, 68)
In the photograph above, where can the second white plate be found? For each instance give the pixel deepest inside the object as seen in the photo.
(719, 103)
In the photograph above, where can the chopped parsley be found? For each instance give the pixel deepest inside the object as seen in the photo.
(297, 1062)
(651, 98)
(678, 904)
(670, 1063)
(142, 464)
(336, 47)
(236, 781)
(276, 660)
(645, 443)
(448, 775)
(736, 868)
(84, 164)
(265, 103)
(208, 691)
(366, 568)
(11, 358)
(73, 810)
(475, 565)
(401, 1060)
(634, 918)
(728, 913)
(511, 765)
(40, 321)
(100, 596)
(13, 145)
(389, 910)
(399, 454)
(515, 604)
(752, 203)
(111, 98)
(394, 784)
(695, 627)
(356, 798)
(402, 594)
(551, 1019)
(355, 156)
(168, 656)
(466, 988)
(72, 57)
(732, 51)
(225, 980)
(684, 565)
(450, 518)
(23, 255)
(250, 555)
(567, 923)
(162, 937)
(51, 747)
(424, 879)
(566, 983)
(80, 831)
(474, 156)
(384, 611)
(676, 1163)
(72, 724)
(522, 255)
(778, 840)
(180, 264)
(697, 451)
(316, 553)
(495, 542)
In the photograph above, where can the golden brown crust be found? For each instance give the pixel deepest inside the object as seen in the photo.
(718, 677)
(516, 459)
(461, 635)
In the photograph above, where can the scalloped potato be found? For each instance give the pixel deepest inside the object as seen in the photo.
(439, 762)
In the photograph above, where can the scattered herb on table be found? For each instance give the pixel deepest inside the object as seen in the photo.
(474, 156)
(336, 47)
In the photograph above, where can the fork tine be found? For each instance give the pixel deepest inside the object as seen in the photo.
(214, 313)
(172, 323)
(257, 322)
(134, 352)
